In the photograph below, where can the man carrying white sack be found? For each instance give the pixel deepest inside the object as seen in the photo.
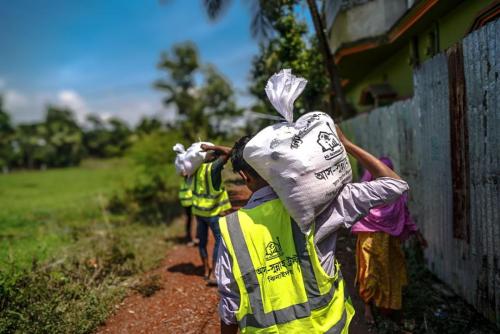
(274, 278)
(210, 200)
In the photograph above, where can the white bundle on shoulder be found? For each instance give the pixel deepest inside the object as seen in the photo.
(194, 157)
(179, 159)
(304, 162)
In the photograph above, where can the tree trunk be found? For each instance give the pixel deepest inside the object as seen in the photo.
(335, 92)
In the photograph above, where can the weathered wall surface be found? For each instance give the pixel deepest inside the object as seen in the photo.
(446, 142)
(360, 19)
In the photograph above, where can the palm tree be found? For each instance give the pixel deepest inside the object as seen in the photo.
(261, 12)
(261, 26)
(331, 68)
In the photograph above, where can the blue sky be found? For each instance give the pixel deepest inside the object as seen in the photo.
(100, 56)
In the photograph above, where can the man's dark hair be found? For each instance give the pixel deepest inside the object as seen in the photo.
(239, 163)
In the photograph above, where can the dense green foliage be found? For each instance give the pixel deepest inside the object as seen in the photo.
(289, 46)
(7, 149)
(106, 139)
(152, 198)
(205, 108)
(59, 141)
(286, 41)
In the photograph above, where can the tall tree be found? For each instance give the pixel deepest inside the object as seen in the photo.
(119, 139)
(7, 145)
(204, 104)
(96, 137)
(64, 137)
(219, 105)
(181, 65)
(148, 125)
(264, 13)
(287, 48)
(329, 61)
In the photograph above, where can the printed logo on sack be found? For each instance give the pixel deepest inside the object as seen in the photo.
(329, 144)
(273, 250)
(274, 143)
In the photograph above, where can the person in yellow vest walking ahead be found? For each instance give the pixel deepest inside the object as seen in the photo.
(274, 279)
(210, 199)
(186, 199)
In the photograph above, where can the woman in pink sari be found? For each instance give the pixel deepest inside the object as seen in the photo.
(381, 267)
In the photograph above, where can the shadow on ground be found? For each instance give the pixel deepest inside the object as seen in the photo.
(186, 269)
(176, 239)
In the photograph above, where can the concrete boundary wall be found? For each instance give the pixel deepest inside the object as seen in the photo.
(446, 142)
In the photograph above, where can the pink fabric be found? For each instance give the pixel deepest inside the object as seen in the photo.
(393, 218)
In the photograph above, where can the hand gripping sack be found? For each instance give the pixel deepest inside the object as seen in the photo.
(304, 162)
(194, 157)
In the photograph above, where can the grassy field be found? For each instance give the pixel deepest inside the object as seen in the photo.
(42, 210)
(65, 261)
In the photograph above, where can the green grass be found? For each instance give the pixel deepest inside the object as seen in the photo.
(65, 260)
(42, 210)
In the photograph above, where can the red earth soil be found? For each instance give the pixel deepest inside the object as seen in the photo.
(185, 304)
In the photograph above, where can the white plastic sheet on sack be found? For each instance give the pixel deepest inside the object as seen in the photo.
(194, 157)
(304, 162)
(179, 159)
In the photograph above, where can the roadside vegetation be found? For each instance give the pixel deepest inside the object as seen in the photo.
(65, 259)
(43, 211)
(68, 255)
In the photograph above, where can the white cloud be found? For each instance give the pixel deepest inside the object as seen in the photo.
(15, 100)
(25, 106)
(70, 99)
(105, 116)
(30, 107)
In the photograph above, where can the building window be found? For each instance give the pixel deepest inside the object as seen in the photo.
(433, 37)
(414, 54)
(377, 95)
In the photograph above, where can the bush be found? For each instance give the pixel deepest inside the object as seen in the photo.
(153, 197)
(151, 201)
(71, 297)
(76, 294)
(152, 153)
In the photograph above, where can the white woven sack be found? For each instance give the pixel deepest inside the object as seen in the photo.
(304, 162)
(179, 159)
(194, 157)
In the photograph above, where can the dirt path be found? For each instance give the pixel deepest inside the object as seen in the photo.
(184, 304)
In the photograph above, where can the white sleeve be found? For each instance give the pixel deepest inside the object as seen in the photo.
(227, 286)
(355, 201)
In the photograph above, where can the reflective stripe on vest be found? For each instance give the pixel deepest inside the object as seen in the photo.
(185, 193)
(258, 318)
(207, 201)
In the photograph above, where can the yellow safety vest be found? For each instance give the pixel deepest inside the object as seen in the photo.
(207, 201)
(283, 287)
(185, 193)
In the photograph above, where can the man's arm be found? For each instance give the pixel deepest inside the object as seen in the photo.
(228, 291)
(376, 167)
(224, 151)
(218, 164)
